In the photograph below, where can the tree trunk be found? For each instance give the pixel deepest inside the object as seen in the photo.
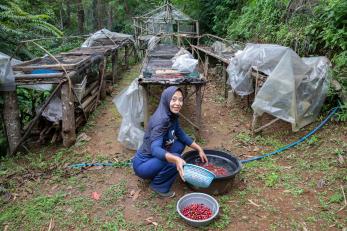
(110, 17)
(126, 7)
(68, 14)
(11, 119)
(101, 13)
(80, 16)
(95, 14)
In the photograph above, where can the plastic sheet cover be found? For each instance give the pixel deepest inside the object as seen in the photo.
(220, 48)
(10, 85)
(183, 61)
(54, 110)
(295, 88)
(104, 34)
(7, 81)
(129, 104)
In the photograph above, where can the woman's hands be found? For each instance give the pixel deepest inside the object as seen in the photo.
(179, 165)
(202, 154)
(178, 161)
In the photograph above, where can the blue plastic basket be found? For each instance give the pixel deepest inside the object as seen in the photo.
(198, 176)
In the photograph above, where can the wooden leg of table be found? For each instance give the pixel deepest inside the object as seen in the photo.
(225, 79)
(68, 123)
(198, 109)
(145, 105)
(114, 67)
(126, 57)
(206, 66)
(256, 122)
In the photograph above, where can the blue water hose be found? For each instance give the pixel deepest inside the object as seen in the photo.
(104, 164)
(302, 139)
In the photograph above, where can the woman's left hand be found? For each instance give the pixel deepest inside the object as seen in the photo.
(203, 156)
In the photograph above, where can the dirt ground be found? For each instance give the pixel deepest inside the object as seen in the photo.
(300, 189)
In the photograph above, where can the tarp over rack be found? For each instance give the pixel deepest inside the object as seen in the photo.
(295, 88)
(105, 34)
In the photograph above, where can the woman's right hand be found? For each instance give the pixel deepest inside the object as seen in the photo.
(179, 165)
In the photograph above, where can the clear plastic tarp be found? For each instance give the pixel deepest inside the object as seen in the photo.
(163, 16)
(165, 19)
(54, 110)
(295, 88)
(7, 81)
(184, 61)
(129, 104)
(106, 34)
(10, 85)
(153, 42)
(220, 48)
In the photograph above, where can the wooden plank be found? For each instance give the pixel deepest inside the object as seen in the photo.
(68, 120)
(38, 76)
(102, 82)
(265, 126)
(211, 54)
(90, 88)
(88, 100)
(35, 82)
(28, 66)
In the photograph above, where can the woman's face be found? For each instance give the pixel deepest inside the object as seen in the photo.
(176, 102)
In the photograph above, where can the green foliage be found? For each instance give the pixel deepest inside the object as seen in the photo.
(29, 100)
(17, 24)
(260, 20)
(336, 198)
(309, 29)
(271, 179)
(313, 140)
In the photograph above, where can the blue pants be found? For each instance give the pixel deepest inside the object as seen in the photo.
(161, 173)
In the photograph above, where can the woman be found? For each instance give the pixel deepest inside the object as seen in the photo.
(159, 157)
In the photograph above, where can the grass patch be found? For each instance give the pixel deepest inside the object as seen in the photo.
(114, 193)
(33, 213)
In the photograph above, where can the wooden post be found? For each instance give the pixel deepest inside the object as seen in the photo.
(11, 119)
(197, 27)
(126, 60)
(256, 122)
(114, 66)
(145, 105)
(68, 124)
(206, 66)
(225, 79)
(198, 101)
(102, 71)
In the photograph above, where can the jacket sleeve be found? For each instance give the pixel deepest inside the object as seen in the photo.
(157, 148)
(182, 136)
(157, 137)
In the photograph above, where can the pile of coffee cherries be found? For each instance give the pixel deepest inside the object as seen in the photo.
(197, 212)
(219, 171)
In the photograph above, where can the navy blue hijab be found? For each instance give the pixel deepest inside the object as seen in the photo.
(160, 121)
